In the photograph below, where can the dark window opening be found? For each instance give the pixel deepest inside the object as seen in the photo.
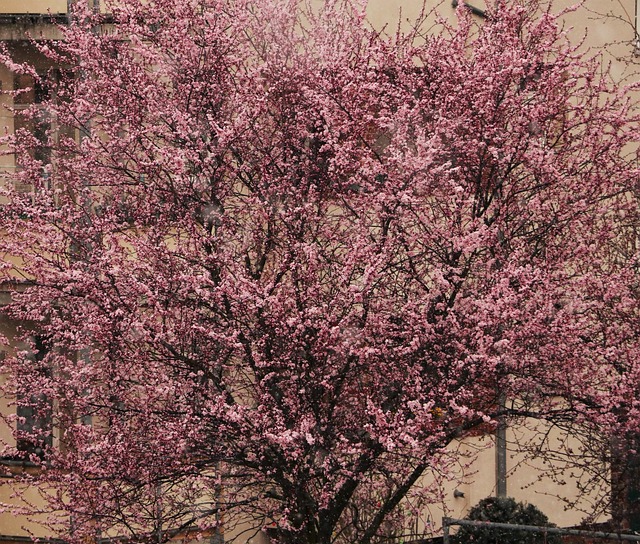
(34, 436)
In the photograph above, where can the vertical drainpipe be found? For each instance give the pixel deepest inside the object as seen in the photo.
(501, 449)
(636, 37)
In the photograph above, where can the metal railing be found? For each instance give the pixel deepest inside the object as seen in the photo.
(448, 522)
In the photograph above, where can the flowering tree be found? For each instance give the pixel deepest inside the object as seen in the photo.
(286, 260)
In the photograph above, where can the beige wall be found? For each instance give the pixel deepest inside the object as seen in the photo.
(16, 521)
(529, 479)
(33, 6)
(7, 330)
(385, 13)
(7, 162)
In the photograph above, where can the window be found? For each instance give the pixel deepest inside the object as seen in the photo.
(36, 126)
(29, 92)
(33, 429)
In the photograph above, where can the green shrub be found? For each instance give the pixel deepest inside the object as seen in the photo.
(505, 510)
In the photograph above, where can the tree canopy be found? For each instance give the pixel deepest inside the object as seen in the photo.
(277, 260)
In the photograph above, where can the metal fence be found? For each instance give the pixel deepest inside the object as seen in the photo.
(448, 522)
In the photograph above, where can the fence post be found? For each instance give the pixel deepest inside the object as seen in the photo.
(445, 530)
